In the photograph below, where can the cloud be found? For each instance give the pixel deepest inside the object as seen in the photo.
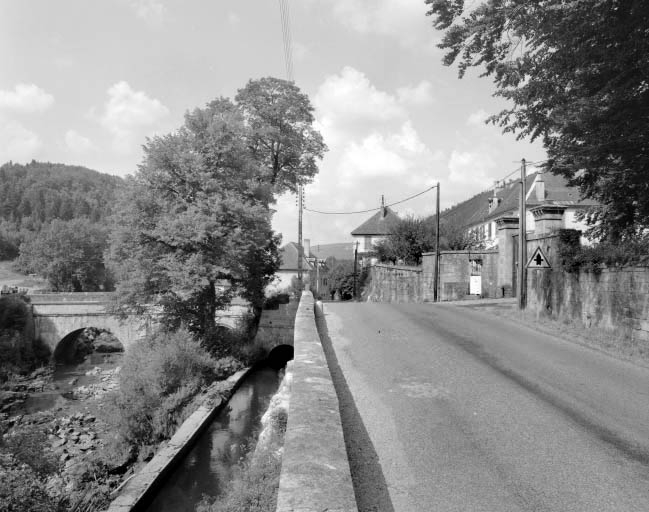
(77, 143)
(378, 155)
(403, 20)
(25, 98)
(233, 19)
(420, 94)
(17, 142)
(127, 112)
(151, 11)
(472, 169)
(351, 95)
(477, 118)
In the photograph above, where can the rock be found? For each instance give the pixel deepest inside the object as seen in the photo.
(95, 371)
(64, 457)
(89, 418)
(73, 381)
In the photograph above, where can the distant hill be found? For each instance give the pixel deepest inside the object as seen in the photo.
(36, 193)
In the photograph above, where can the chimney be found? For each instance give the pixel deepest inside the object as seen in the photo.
(306, 244)
(384, 210)
(494, 201)
(539, 186)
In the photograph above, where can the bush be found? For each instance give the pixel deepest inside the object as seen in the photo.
(159, 377)
(575, 257)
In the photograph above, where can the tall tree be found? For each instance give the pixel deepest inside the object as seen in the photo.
(194, 227)
(281, 135)
(69, 255)
(577, 75)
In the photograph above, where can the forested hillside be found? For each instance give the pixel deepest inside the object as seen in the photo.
(54, 219)
(34, 194)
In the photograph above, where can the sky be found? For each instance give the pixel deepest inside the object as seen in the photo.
(85, 83)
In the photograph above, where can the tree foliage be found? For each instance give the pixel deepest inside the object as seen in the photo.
(281, 136)
(412, 236)
(577, 76)
(69, 255)
(193, 228)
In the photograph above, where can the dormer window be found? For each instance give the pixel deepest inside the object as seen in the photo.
(494, 202)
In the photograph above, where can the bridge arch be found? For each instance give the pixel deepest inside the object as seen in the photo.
(280, 355)
(73, 346)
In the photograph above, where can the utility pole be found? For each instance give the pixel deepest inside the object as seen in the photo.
(436, 275)
(300, 250)
(522, 242)
(355, 266)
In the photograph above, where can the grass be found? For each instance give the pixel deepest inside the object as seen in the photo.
(620, 343)
(10, 277)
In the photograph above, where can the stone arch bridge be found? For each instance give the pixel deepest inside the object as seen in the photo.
(56, 315)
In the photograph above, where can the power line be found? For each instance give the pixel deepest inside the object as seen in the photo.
(373, 209)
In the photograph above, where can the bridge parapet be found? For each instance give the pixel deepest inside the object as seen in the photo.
(315, 469)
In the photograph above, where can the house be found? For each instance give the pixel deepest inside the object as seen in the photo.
(373, 230)
(313, 268)
(481, 213)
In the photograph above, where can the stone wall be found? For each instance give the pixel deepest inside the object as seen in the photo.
(395, 284)
(315, 472)
(614, 299)
(277, 325)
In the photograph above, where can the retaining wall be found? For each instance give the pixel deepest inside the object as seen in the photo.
(315, 470)
(395, 284)
(615, 299)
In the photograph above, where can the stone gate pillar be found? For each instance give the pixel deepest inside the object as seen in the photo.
(506, 228)
(547, 218)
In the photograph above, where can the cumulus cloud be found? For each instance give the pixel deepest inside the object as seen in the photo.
(233, 19)
(17, 142)
(477, 118)
(151, 11)
(420, 94)
(77, 143)
(351, 95)
(127, 112)
(471, 169)
(25, 98)
(384, 155)
(403, 20)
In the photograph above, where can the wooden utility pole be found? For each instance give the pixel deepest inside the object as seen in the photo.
(522, 242)
(355, 267)
(300, 250)
(436, 273)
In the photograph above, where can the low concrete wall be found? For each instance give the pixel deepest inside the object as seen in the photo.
(315, 469)
(142, 487)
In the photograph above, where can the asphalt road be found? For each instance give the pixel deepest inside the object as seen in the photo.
(449, 409)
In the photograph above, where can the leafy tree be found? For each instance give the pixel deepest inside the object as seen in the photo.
(341, 277)
(194, 227)
(281, 136)
(576, 75)
(411, 237)
(69, 255)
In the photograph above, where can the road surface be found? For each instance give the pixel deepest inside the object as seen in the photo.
(447, 408)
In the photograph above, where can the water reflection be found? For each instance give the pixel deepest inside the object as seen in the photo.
(207, 468)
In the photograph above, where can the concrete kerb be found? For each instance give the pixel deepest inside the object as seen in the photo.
(141, 488)
(315, 472)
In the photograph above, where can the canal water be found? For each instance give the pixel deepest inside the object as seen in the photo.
(208, 467)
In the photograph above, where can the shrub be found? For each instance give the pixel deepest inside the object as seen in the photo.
(575, 257)
(159, 376)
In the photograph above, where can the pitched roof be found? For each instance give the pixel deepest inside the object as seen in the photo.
(289, 255)
(378, 224)
(340, 251)
(475, 211)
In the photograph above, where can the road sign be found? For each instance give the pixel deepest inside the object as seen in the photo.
(538, 260)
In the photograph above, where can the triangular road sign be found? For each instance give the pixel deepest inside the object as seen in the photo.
(538, 260)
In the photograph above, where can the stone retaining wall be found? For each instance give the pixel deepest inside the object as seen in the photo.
(395, 284)
(315, 470)
(615, 299)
